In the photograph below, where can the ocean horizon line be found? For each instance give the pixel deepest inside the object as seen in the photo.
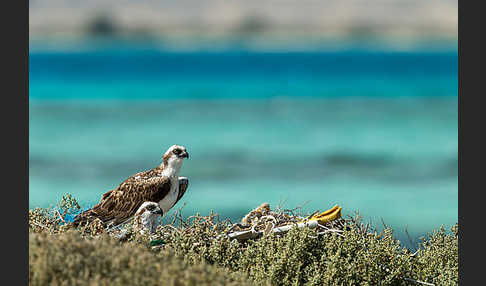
(90, 44)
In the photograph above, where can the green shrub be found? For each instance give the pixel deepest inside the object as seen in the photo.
(438, 262)
(69, 259)
(194, 253)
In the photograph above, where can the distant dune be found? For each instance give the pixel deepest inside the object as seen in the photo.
(278, 21)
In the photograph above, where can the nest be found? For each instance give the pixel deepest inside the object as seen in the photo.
(262, 221)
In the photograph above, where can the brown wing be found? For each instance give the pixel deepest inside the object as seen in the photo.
(120, 204)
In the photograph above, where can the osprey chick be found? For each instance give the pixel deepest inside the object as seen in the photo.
(161, 184)
(146, 217)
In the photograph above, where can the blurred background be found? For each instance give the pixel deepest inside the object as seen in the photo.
(291, 102)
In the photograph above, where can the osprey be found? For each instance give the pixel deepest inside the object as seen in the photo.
(146, 217)
(161, 184)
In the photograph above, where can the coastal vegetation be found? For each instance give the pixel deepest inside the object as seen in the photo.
(195, 251)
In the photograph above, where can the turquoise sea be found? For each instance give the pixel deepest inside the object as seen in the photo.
(372, 131)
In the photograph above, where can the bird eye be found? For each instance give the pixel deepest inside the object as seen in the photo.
(176, 151)
(150, 208)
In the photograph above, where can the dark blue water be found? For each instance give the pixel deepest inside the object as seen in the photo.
(241, 74)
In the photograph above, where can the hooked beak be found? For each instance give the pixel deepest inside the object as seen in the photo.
(159, 211)
(185, 155)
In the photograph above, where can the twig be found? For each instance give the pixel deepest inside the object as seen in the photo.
(367, 225)
(175, 217)
(281, 203)
(331, 230)
(420, 282)
(301, 207)
(33, 222)
(415, 253)
(180, 219)
(383, 222)
(59, 214)
(334, 230)
(409, 238)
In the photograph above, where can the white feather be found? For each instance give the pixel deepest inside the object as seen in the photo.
(171, 171)
(169, 200)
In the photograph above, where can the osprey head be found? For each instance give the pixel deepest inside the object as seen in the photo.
(149, 209)
(146, 216)
(175, 155)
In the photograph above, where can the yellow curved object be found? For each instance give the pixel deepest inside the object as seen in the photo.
(330, 217)
(327, 216)
(329, 211)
